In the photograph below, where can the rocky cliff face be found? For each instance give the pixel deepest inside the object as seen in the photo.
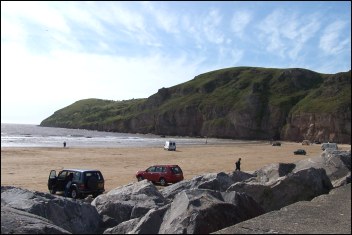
(321, 127)
(238, 103)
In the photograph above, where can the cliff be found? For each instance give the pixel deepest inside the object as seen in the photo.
(239, 103)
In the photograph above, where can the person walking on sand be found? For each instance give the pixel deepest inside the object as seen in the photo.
(238, 165)
(64, 144)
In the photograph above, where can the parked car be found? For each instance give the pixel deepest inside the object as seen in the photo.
(300, 152)
(276, 144)
(162, 174)
(170, 145)
(84, 182)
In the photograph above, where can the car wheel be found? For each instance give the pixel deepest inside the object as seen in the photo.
(52, 191)
(162, 182)
(140, 178)
(74, 194)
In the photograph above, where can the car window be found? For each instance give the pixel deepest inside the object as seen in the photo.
(160, 169)
(97, 174)
(62, 175)
(151, 169)
(176, 170)
(163, 169)
(76, 176)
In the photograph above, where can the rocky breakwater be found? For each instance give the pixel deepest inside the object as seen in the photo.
(204, 204)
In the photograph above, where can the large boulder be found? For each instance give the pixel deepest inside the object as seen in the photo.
(337, 165)
(275, 194)
(72, 215)
(325, 214)
(197, 211)
(272, 172)
(212, 181)
(15, 221)
(127, 202)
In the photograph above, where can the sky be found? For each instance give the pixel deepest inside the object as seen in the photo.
(56, 53)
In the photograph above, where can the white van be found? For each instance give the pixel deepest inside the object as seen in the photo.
(170, 145)
(329, 146)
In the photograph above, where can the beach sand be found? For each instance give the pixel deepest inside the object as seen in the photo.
(29, 168)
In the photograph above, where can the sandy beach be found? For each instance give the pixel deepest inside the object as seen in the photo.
(29, 167)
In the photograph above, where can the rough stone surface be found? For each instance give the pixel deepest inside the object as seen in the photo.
(15, 221)
(127, 202)
(337, 165)
(326, 214)
(197, 211)
(302, 185)
(69, 214)
(212, 181)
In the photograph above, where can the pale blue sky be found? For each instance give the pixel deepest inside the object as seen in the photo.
(56, 53)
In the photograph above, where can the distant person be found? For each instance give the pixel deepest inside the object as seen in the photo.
(68, 184)
(64, 144)
(238, 165)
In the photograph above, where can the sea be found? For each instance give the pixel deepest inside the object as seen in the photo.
(29, 135)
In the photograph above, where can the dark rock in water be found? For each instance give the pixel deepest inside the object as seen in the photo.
(15, 221)
(63, 212)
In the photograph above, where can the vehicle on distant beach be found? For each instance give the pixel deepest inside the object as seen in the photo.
(276, 144)
(162, 174)
(170, 145)
(300, 152)
(84, 182)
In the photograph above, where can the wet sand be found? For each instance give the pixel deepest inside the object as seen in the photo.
(29, 167)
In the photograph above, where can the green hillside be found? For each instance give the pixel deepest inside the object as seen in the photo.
(241, 102)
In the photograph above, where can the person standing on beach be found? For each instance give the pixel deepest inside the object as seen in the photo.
(64, 144)
(238, 165)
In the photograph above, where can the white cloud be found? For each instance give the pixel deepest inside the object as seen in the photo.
(41, 13)
(240, 21)
(211, 25)
(332, 41)
(287, 33)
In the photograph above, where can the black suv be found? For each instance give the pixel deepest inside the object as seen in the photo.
(84, 182)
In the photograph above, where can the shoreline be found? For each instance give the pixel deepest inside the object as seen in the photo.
(29, 167)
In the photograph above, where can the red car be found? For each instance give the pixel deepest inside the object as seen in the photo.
(162, 174)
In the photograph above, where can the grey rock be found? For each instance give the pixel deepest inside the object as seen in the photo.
(15, 221)
(71, 215)
(198, 211)
(303, 185)
(128, 202)
(272, 172)
(212, 181)
(124, 227)
(325, 214)
(337, 165)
